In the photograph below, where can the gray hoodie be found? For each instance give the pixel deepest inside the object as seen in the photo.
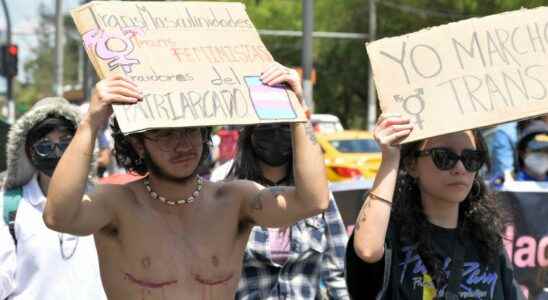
(19, 168)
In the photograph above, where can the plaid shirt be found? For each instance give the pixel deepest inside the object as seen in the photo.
(318, 246)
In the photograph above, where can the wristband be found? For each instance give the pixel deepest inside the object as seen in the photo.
(375, 197)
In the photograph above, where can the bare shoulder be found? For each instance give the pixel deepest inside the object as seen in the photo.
(115, 195)
(251, 190)
(236, 194)
(240, 188)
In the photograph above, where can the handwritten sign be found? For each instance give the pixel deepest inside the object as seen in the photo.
(198, 63)
(465, 75)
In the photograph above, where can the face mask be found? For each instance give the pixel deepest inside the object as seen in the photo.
(45, 165)
(272, 145)
(537, 163)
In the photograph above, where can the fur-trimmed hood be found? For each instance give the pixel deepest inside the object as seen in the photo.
(19, 168)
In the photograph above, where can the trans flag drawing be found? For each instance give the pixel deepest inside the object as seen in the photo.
(270, 102)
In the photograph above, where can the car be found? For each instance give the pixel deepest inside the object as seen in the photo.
(350, 155)
(325, 123)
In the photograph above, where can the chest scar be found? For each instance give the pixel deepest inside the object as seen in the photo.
(145, 262)
(207, 281)
(149, 284)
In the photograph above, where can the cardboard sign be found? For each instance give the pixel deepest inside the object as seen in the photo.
(464, 75)
(198, 64)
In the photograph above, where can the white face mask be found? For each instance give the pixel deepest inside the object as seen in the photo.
(537, 163)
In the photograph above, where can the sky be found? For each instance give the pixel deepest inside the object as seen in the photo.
(24, 19)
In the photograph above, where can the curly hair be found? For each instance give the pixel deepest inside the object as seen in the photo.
(479, 217)
(127, 157)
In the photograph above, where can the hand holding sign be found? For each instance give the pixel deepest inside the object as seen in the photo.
(115, 89)
(465, 75)
(198, 64)
(275, 74)
(390, 130)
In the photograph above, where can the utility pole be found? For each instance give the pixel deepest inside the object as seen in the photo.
(371, 92)
(80, 75)
(10, 102)
(307, 54)
(87, 80)
(59, 46)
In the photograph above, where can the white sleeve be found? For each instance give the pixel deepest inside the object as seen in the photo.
(220, 173)
(7, 262)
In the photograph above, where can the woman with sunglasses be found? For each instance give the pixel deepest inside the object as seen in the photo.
(36, 262)
(428, 229)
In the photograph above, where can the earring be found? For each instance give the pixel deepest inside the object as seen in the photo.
(475, 191)
(471, 210)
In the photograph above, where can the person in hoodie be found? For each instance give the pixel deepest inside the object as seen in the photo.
(533, 153)
(36, 262)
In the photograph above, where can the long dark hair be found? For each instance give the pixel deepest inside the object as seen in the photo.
(127, 157)
(246, 164)
(479, 217)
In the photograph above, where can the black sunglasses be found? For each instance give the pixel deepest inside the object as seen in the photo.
(445, 159)
(46, 148)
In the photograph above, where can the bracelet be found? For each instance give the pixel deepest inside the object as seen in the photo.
(375, 197)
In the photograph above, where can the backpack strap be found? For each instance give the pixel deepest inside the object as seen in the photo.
(12, 197)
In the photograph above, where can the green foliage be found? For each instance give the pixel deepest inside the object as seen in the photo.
(341, 65)
(38, 81)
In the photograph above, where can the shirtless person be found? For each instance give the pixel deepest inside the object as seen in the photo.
(152, 250)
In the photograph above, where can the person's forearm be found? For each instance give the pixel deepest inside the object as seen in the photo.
(308, 167)
(372, 222)
(70, 178)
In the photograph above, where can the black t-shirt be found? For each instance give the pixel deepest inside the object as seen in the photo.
(479, 281)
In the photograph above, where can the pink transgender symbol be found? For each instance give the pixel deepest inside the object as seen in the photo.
(98, 40)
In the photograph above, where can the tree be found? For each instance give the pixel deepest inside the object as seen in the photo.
(341, 65)
(38, 80)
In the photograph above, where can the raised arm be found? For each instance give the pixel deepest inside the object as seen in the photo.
(372, 222)
(282, 206)
(68, 208)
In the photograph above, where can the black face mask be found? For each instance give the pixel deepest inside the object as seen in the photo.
(44, 156)
(272, 144)
(45, 165)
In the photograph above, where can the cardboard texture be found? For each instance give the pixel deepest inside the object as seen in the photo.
(467, 74)
(198, 63)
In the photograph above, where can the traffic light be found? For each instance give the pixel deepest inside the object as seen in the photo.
(9, 54)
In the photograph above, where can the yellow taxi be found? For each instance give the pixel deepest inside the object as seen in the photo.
(350, 155)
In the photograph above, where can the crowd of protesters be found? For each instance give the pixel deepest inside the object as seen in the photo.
(267, 228)
(518, 151)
